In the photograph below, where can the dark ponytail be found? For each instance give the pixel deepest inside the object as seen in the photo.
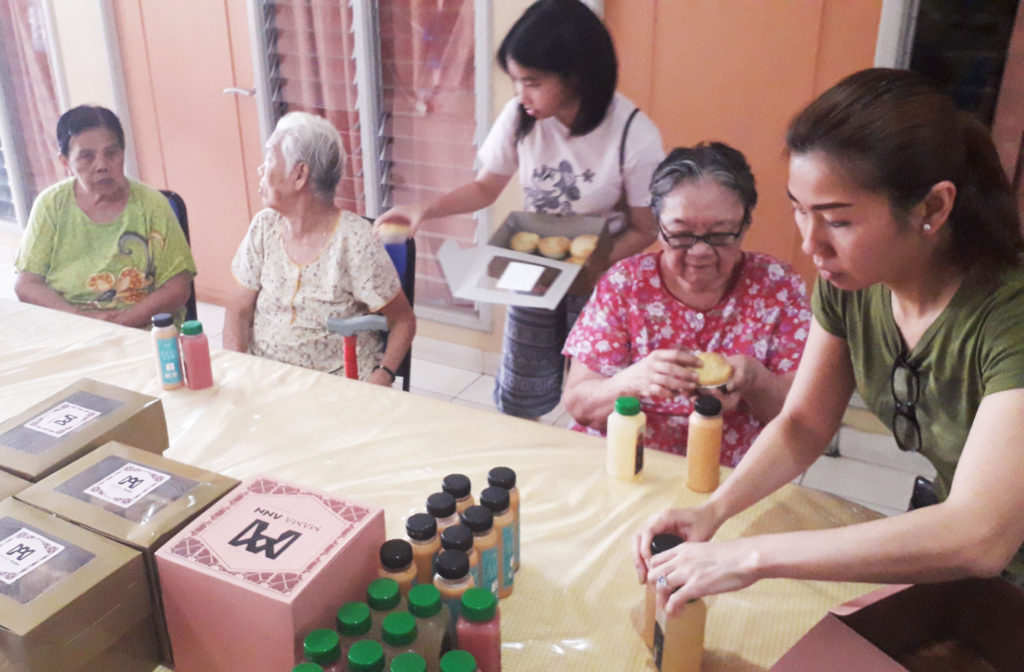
(893, 132)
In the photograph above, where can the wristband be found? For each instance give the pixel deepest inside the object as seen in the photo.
(381, 366)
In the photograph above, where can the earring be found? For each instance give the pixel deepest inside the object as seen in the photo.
(927, 227)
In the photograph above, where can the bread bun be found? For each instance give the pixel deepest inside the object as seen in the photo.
(554, 247)
(579, 261)
(714, 369)
(524, 241)
(583, 246)
(390, 232)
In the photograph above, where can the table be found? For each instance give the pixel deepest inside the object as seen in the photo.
(571, 609)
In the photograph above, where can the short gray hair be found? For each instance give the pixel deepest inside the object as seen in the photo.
(720, 162)
(312, 140)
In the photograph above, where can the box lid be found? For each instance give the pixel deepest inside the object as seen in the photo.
(49, 566)
(493, 273)
(11, 484)
(75, 420)
(132, 495)
(269, 535)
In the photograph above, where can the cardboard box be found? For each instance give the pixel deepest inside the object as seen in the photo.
(493, 273)
(76, 420)
(70, 599)
(974, 624)
(11, 485)
(244, 582)
(131, 496)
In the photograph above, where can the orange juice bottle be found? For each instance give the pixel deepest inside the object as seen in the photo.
(459, 487)
(421, 531)
(679, 639)
(441, 505)
(704, 444)
(497, 500)
(452, 579)
(503, 477)
(485, 541)
(396, 562)
(460, 538)
(659, 544)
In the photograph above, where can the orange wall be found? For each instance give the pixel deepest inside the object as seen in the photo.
(737, 71)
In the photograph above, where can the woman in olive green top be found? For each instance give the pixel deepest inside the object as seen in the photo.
(99, 244)
(919, 304)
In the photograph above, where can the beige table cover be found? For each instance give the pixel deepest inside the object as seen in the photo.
(571, 609)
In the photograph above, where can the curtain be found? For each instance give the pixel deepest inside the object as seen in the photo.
(33, 103)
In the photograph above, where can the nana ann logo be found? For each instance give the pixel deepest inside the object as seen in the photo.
(255, 541)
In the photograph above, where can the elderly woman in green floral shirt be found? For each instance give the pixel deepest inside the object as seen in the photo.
(97, 243)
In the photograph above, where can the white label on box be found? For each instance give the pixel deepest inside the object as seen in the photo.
(520, 277)
(127, 485)
(63, 418)
(24, 551)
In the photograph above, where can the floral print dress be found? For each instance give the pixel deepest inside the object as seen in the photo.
(764, 315)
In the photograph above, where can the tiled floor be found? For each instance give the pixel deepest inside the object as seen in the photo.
(870, 470)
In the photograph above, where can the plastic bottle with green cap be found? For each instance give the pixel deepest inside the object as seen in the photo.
(458, 660)
(307, 667)
(195, 355)
(353, 623)
(625, 440)
(479, 629)
(398, 632)
(432, 623)
(384, 597)
(322, 647)
(366, 656)
(408, 662)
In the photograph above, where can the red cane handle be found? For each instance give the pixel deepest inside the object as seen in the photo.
(351, 367)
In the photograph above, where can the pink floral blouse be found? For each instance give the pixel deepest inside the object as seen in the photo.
(764, 315)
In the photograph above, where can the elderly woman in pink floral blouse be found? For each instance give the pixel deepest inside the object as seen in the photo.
(700, 293)
(304, 260)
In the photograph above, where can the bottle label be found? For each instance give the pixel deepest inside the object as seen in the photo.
(517, 543)
(508, 553)
(639, 464)
(63, 418)
(127, 485)
(477, 572)
(489, 562)
(169, 359)
(659, 644)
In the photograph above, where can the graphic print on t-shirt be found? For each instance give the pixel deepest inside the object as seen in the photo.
(559, 198)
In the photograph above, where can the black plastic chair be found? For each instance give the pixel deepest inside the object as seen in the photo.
(181, 212)
(403, 256)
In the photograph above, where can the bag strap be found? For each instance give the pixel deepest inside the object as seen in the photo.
(622, 143)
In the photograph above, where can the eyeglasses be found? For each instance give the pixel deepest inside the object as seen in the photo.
(684, 241)
(906, 390)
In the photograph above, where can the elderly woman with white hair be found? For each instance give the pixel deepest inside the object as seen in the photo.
(304, 260)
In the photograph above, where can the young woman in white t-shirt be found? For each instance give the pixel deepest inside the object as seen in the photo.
(578, 148)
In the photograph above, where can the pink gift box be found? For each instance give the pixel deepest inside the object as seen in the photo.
(245, 581)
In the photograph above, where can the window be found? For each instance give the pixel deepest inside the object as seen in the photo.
(400, 81)
(28, 108)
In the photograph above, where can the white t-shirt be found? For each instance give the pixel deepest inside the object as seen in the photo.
(562, 174)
